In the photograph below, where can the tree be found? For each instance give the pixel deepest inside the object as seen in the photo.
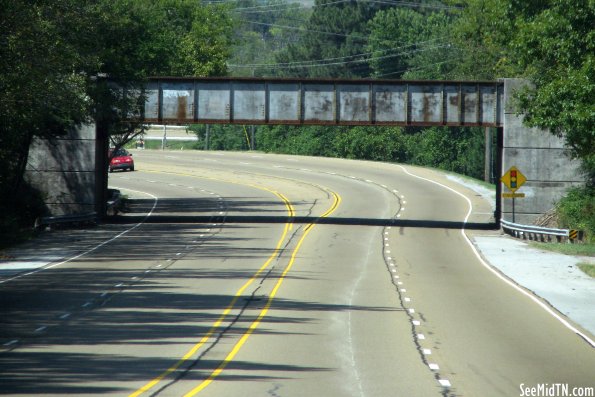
(408, 43)
(262, 29)
(67, 62)
(333, 42)
(555, 46)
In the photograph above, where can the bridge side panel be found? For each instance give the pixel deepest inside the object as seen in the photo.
(284, 103)
(214, 102)
(390, 103)
(249, 100)
(319, 103)
(354, 103)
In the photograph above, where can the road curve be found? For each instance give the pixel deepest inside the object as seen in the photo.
(273, 275)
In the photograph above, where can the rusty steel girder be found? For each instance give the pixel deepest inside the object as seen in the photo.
(234, 100)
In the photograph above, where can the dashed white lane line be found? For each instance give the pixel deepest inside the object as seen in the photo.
(12, 342)
(416, 322)
(65, 316)
(444, 382)
(421, 336)
(433, 366)
(426, 352)
(495, 272)
(41, 329)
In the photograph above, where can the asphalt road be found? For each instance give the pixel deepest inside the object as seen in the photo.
(246, 274)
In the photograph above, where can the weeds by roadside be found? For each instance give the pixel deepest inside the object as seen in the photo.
(566, 248)
(587, 268)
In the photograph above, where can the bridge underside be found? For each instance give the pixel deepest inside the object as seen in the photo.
(323, 102)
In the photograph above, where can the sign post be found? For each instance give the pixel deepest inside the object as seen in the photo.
(513, 179)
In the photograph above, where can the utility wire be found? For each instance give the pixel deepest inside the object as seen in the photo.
(274, 66)
(300, 63)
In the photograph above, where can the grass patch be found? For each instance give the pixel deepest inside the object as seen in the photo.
(588, 268)
(567, 249)
(171, 145)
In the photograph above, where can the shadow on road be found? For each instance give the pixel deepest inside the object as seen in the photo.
(88, 324)
(184, 211)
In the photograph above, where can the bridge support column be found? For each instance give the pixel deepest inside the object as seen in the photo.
(64, 170)
(540, 156)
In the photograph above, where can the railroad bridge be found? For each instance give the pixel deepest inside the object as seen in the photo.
(78, 184)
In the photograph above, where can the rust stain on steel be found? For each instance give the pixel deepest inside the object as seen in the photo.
(324, 101)
(182, 105)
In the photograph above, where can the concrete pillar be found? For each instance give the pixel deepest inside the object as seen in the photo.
(64, 170)
(540, 156)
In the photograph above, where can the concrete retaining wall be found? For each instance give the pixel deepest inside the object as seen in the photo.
(540, 156)
(64, 169)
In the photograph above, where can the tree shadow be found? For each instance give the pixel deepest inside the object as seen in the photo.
(75, 323)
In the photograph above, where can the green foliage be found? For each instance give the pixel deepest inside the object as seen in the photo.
(333, 41)
(577, 211)
(221, 136)
(587, 268)
(55, 55)
(423, 49)
(17, 217)
(481, 34)
(263, 29)
(460, 150)
(555, 46)
(580, 249)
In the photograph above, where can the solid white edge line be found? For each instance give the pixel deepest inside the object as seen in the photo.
(496, 273)
(92, 249)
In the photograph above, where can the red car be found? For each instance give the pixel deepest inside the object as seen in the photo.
(121, 160)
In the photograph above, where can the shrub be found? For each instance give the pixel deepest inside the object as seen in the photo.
(577, 211)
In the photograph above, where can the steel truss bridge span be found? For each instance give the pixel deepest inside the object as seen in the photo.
(174, 100)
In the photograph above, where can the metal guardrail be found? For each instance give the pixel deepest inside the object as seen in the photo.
(66, 219)
(114, 205)
(536, 233)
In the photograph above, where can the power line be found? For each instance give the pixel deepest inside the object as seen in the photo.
(417, 68)
(306, 30)
(301, 65)
(304, 63)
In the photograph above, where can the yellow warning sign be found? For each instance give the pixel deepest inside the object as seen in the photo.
(513, 195)
(513, 179)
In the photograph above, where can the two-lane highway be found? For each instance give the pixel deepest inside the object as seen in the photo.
(247, 274)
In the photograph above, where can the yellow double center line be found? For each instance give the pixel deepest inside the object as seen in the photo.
(238, 294)
(264, 311)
